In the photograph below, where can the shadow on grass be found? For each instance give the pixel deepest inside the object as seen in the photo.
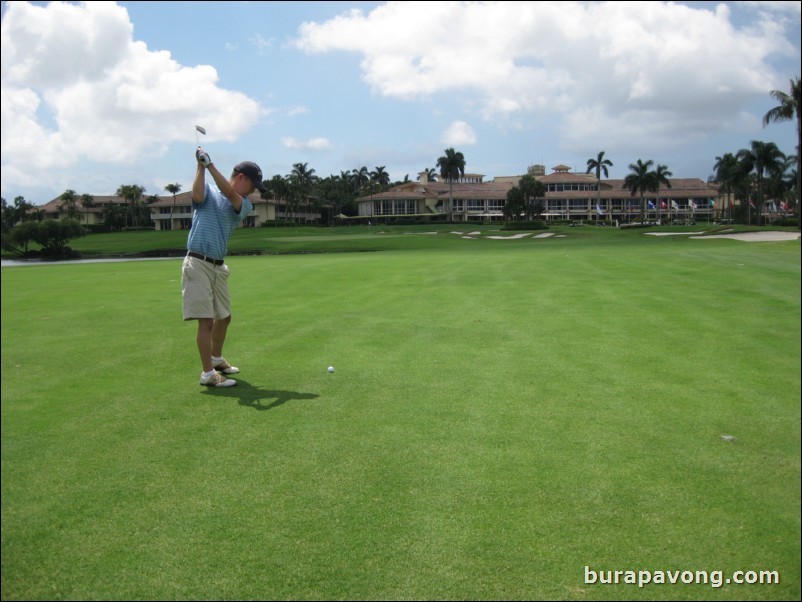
(254, 397)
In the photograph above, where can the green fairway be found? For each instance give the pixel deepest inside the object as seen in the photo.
(503, 415)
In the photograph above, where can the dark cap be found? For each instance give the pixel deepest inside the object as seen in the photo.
(253, 171)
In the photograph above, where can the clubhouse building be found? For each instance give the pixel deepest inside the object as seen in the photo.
(570, 196)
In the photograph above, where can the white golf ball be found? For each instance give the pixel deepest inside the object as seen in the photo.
(331, 368)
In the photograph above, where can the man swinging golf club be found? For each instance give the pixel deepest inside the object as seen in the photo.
(217, 210)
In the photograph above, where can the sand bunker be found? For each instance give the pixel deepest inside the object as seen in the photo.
(755, 236)
(745, 236)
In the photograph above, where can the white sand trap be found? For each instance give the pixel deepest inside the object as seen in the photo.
(544, 235)
(514, 236)
(746, 236)
(756, 236)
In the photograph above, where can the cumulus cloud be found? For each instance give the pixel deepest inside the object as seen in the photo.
(459, 133)
(312, 144)
(76, 85)
(600, 66)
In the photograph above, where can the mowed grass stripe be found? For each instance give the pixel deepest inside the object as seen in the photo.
(501, 415)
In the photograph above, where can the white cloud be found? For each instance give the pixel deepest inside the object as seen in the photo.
(297, 110)
(76, 86)
(312, 144)
(640, 66)
(459, 133)
(261, 43)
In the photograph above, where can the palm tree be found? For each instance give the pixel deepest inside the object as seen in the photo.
(640, 180)
(727, 174)
(452, 166)
(302, 180)
(87, 202)
(789, 108)
(173, 189)
(131, 193)
(514, 204)
(279, 189)
(70, 199)
(380, 176)
(360, 177)
(599, 165)
(661, 175)
(532, 190)
(764, 158)
(431, 174)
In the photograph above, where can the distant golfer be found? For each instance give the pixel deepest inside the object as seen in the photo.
(217, 210)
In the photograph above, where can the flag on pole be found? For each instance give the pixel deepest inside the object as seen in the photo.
(711, 203)
(752, 205)
(691, 204)
(674, 204)
(663, 205)
(599, 210)
(651, 205)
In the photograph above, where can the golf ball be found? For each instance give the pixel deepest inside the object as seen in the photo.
(331, 368)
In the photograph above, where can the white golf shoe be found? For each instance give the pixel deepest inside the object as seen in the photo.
(224, 367)
(216, 380)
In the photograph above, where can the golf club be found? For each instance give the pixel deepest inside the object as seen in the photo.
(202, 131)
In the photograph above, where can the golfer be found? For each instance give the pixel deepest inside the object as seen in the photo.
(217, 210)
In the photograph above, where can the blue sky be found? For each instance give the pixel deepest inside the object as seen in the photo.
(100, 94)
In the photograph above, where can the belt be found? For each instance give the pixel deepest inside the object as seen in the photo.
(205, 258)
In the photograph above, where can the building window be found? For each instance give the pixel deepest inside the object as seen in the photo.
(394, 207)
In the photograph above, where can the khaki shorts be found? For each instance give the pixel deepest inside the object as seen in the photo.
(204, 289)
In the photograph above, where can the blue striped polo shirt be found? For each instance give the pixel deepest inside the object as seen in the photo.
(213, 223)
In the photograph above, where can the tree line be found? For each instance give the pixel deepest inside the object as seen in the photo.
(750, 175)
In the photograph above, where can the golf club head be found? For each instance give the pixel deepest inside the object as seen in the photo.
(202, 131)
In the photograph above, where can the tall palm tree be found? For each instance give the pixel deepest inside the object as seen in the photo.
(764, 158)
(640, 180)
(174, 189)
(302, 180)
(661, 175)
(70, 199)
(279, 189)
(599, 165)
(789, 108)
(380, 176)
(360, 177)
(727, 174)
(87, 202)
(452, 166)
(131, 193)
